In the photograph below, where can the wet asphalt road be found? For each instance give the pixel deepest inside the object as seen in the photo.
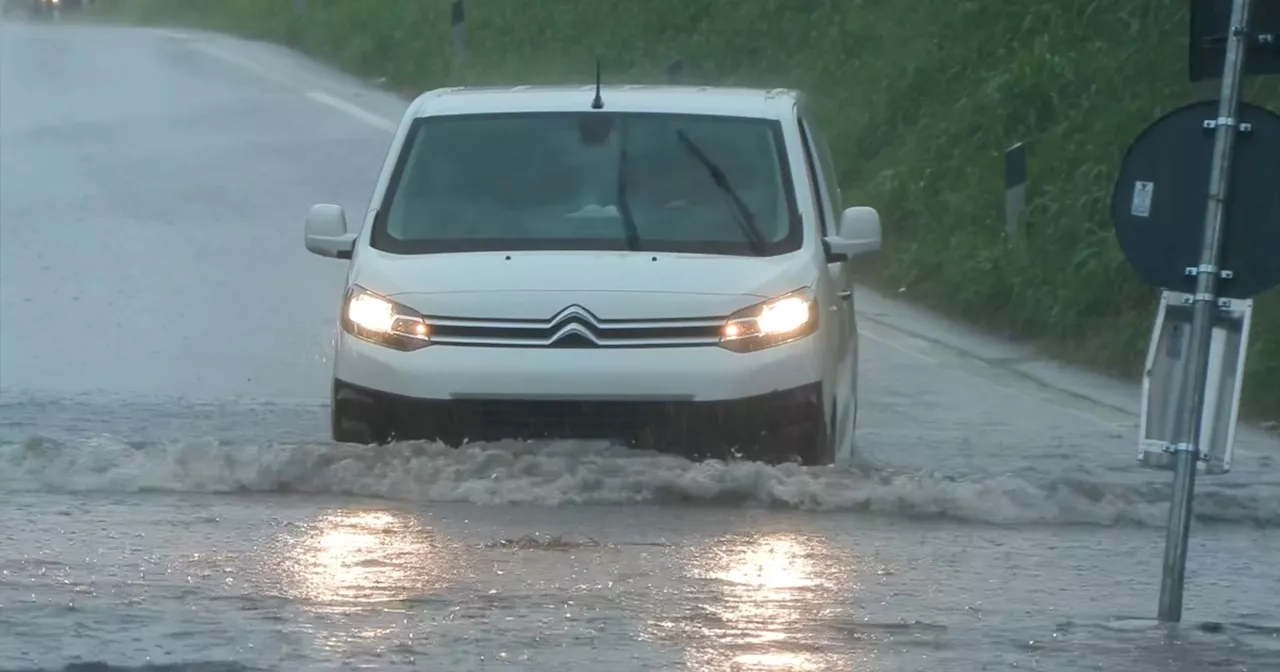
(169, 495)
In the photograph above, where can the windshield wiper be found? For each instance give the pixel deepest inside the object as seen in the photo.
(745, 218)
(624, 204)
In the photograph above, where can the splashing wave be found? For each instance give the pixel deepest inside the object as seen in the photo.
(565, 473)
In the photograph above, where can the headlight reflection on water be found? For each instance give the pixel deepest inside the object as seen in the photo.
(765, 588)
(762, 593)
(350, 559)
(769, 602)
(358, 573)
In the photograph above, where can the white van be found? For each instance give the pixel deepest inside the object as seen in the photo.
(665, 266)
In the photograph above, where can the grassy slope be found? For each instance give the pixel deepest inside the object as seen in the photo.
(919, 99)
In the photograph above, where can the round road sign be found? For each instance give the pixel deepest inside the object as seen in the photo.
(1158, 205)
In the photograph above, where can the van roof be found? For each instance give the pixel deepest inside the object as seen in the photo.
(677, 99)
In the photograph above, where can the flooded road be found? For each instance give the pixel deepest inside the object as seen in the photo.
(169, 496)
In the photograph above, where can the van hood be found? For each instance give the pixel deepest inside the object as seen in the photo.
(540, 283)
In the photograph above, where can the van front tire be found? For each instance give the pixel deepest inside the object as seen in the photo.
(812, 444)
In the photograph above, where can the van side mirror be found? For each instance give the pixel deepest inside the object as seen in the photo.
(859, 235)
(326, 232)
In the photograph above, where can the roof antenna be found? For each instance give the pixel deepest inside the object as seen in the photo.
(598, 103)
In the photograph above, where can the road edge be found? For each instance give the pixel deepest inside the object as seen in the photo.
(1111, 391)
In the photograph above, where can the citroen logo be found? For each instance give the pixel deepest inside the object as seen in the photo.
(575, 313)
(575, 321)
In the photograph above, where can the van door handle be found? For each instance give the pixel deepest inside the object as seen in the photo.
(846, 294)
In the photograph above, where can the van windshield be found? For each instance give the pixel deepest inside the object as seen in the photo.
(591, 181)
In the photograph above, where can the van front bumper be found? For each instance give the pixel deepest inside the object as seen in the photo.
(760, 427)
(698, 401)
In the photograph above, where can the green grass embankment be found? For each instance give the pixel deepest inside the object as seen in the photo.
(919, 100)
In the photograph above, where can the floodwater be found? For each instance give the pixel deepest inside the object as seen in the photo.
(169, 498)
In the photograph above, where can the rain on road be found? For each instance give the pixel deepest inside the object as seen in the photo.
(172, 497)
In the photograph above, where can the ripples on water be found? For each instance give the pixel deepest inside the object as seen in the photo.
(358, 581)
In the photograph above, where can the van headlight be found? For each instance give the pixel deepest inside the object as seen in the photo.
(377, 319)
(774, 322)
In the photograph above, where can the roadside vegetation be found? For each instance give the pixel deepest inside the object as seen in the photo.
(919, 101)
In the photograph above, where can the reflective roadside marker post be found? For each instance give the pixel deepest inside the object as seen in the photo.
(294, 35)
(458, 24)
(1015, 190)
(299, 10)
(1185, 246)
(675, 71)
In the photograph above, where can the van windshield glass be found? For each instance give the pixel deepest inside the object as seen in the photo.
(550, 181)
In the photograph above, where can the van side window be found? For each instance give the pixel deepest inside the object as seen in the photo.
(815, 188)
(831, 179)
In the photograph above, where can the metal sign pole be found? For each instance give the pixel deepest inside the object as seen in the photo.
(1191, 393)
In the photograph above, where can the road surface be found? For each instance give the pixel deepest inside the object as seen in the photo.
(170, 495)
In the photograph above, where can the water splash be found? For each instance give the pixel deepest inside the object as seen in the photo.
(575, 473)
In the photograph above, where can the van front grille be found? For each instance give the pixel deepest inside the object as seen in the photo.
(575, 327)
